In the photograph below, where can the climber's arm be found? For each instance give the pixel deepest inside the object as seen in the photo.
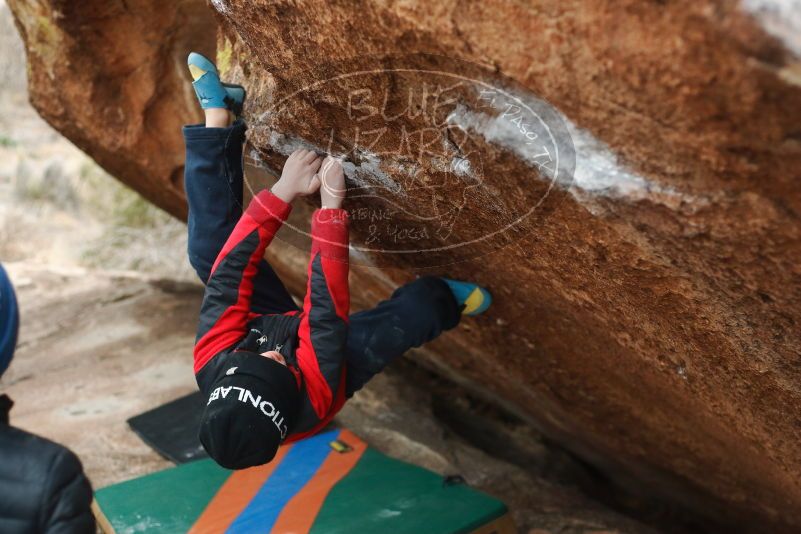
(323, 329)
(226, 303)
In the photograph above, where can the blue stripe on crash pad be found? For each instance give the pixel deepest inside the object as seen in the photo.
(298, 467)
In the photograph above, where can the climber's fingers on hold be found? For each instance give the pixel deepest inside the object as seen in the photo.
(314, 164)
(309, 157)
(314, 185)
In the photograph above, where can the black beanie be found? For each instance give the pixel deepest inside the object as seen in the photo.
(250, 409)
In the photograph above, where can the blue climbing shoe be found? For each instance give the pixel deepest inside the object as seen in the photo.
(236, 98)
(210, 91)
(473, 297)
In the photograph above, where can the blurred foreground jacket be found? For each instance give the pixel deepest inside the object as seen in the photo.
(42, 485)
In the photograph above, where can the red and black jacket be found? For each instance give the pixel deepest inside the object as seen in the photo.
(312, 340)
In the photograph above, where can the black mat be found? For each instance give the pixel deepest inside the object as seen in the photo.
(171, 429)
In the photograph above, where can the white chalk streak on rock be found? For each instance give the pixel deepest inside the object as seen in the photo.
(780, 18)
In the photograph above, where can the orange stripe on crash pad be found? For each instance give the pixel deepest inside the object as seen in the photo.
(234, 496)
(300, 512)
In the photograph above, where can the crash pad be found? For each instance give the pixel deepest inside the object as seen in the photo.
(172, 428)
(330, 483)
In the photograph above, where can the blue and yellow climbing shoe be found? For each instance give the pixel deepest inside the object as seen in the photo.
(210, 91)
(473, 297)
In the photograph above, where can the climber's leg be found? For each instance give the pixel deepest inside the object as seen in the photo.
(416, 313)
(214, 179)
(213, 183)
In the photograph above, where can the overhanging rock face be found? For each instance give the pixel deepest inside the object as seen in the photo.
(645, 271)
(110, 76)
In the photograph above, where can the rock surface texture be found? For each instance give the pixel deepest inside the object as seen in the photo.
(110, 77)
(647, 290)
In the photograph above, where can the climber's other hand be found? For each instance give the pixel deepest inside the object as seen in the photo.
(299, 176)
(333, 190)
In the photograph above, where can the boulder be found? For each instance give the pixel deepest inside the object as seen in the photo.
(110, 76)
(621, 175)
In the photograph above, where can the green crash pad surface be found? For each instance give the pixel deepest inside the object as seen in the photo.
(309, 487)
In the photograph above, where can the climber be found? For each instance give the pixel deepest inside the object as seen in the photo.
(273, 372)
(42, 484)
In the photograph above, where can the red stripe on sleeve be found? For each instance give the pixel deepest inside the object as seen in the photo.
(265, 210)
(330, 244)
(231, 325)
(266, 213)
(316, 385)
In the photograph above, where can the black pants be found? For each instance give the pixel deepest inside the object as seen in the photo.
(416, 313)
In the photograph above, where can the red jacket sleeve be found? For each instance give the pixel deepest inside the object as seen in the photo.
(323, 329)
(226, 302)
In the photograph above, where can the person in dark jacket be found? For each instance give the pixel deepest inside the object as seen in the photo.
(42, 485)
(274, 372)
